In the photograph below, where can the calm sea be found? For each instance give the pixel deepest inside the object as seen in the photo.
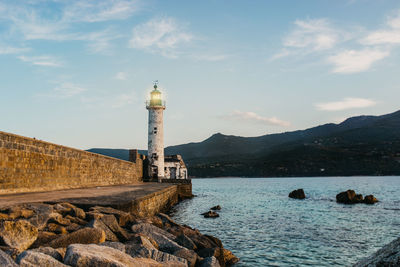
(262, 226)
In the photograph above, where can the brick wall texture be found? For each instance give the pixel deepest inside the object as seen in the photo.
(28, 165)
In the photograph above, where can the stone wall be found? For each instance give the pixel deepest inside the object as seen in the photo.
(29, 165)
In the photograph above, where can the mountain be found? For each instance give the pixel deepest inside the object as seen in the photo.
(363, 145)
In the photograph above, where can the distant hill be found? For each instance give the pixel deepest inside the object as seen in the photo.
(363, 145)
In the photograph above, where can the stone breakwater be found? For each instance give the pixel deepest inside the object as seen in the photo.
(63, 234)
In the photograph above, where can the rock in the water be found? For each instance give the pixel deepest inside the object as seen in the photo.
(110, 236)
(82, 236)
(209, 262)
(210, 214)
(80, 255)
(218, 207)
(6, 260)
(31, 258)
(370, 199)
(18, 234)
(297, 194)
(389, 255)
(349, 197)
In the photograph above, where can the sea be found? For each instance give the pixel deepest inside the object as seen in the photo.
(262, 226)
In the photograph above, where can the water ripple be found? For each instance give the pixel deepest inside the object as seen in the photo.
(263, 227)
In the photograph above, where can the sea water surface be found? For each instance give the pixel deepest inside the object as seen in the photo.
(263, 227)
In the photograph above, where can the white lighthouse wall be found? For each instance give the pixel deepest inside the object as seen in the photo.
(156, 141)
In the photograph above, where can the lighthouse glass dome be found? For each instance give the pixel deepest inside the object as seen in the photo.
(155, 99)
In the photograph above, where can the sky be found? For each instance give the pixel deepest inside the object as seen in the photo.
(77, 73)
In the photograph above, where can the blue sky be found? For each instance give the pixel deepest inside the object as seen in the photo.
(77, 72)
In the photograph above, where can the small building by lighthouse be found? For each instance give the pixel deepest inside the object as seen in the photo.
(160, 167)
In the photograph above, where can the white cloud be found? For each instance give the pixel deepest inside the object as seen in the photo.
(97, 11)
(352, 61)
(248, 116)
(65, 90)
(46, 61)
(121, 76)
(389, 36)
(162, 35)
(346, 103)
(5, 50)
(314, 34)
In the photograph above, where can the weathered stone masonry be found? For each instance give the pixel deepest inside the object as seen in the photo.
(28, 165)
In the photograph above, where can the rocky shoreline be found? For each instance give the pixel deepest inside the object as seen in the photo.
(62, 234)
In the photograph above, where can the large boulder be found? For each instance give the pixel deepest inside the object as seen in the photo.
(6, 260)
(349, 197)
(82, 236)
(18, 234)
(80, 255)
(186, 242)
(297, 194)
(389, 255)
(69, 209)
(110, 221)
(31, 258)
(43, 213)
(163, 238)
(43, 238)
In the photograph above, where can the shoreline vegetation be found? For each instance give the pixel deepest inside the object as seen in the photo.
(62, 234)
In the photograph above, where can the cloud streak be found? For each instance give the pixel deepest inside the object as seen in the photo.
(160, 35)
(346, 103)
(248, 116)
(45, 61)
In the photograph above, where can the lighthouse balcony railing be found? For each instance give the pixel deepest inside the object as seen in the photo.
(155, 103)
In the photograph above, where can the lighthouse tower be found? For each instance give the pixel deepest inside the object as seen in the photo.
(155, 150)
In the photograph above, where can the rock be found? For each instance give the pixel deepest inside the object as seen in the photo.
(110, 236)
(74, 211)
(370, 199)
(210, 214)
(103, 256)
(389, 255)
(144, 240)
(187, 254)
(62, 251)
(76, 220)
(18, 234)
(83, 236)
(110, 221)
(124, 218)
(209, 262)
(56, 228)
(50, 251)
(186, 242)
(162, 237)
(31, 258)
(6, 260)
(224, 256)
(218, 207)
(58, 218)
(4, 217)
(44, 238)
(117, 245)
(73, 227)
(12, 252)
(43, 212)
(18, 212)
(297, 194)
(167, 259)
(348, 197)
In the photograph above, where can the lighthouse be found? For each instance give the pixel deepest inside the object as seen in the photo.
(155, 150)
